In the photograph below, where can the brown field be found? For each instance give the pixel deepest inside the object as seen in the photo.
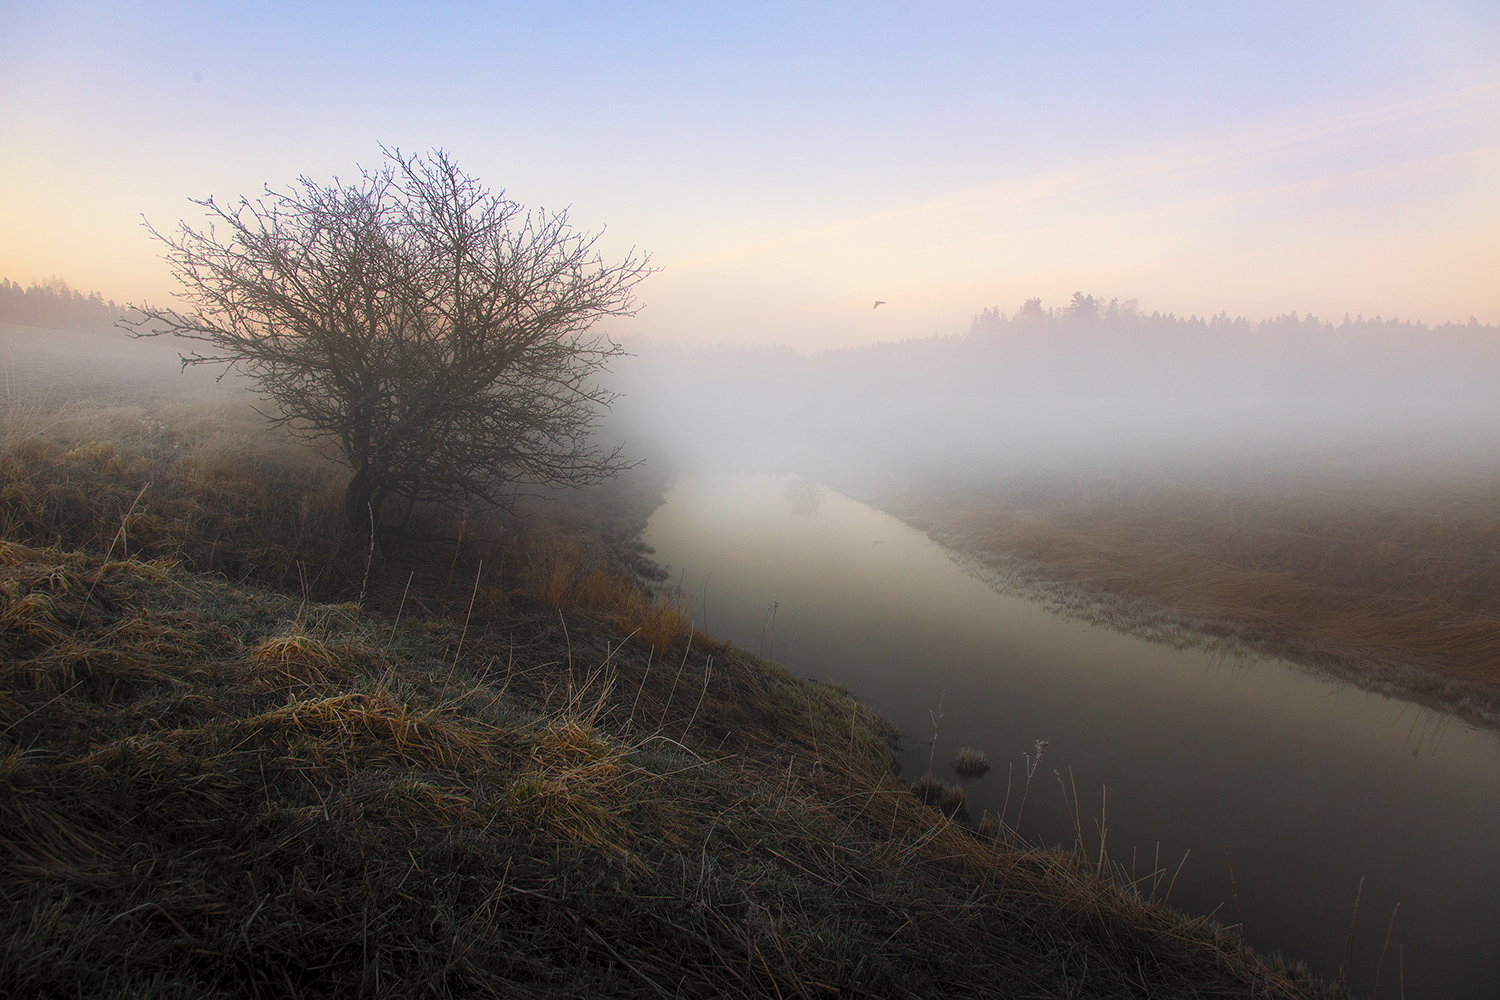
(1390, 581)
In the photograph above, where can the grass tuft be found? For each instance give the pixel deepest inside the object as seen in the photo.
(372, 727)
(297, 662)
(950, 800)
(971, 763)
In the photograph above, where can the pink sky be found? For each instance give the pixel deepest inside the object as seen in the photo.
(787, 164)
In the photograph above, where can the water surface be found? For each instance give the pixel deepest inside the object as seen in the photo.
(1282, 796)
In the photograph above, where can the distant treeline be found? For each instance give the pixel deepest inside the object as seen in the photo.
(57, 306)
(1098, 347)
(1094, 370)
(1093, 345)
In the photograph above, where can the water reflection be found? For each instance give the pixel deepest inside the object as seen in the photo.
(1298, 787)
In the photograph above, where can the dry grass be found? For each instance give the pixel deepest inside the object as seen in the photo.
(208, 486)
(559, 575)
(145, 480)
(297, 663)
(538, 782)
(950, 800)
(1386, 583)
(521, 821)
(369, 728)
(971, 763)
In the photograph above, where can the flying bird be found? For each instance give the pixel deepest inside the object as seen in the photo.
(878, 303)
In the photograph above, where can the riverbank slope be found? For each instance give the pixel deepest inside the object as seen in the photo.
(241, 755)
(1387, 584)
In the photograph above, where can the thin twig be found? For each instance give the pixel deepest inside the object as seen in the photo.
(1349, 940)
(1380, 964)
(119, 534)
(472, 595)
(708, 669)
(399, 608)
(369, 556)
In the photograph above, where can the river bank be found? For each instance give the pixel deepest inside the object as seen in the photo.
(1393, 591)
(243, 753)
(1291, 800)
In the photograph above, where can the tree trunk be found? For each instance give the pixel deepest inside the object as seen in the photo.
(359, 495)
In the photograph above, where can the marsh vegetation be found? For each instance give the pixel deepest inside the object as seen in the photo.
(1389, 584)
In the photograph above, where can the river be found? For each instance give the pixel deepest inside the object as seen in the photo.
(1322, 818)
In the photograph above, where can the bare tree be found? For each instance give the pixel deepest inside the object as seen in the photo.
(435, 332)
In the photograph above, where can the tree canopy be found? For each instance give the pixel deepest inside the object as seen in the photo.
(436, 333)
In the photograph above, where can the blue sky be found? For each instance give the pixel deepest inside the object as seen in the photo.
(788, 163)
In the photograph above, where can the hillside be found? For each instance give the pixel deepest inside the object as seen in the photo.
(244, 755)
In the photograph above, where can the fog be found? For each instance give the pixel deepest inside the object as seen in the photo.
(47, 367)
(1073, 393)
(1217, 498)
(1091, 388)
(1079, 407)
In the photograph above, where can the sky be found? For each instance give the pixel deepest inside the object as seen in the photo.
(786, 164)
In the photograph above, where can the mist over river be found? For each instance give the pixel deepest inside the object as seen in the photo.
(1259, 793)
